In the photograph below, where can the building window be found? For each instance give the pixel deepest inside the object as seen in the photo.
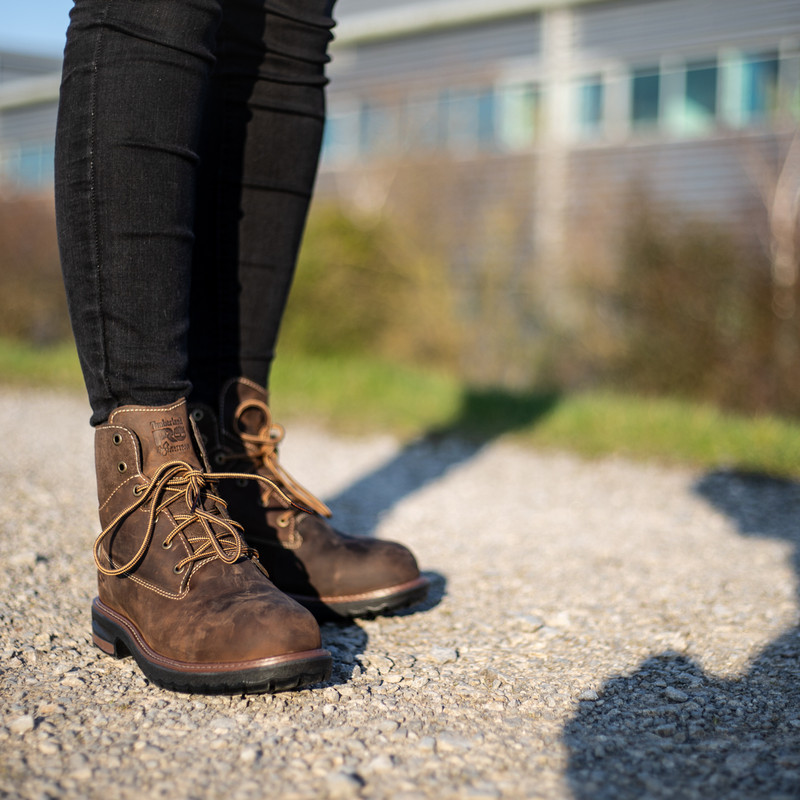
(379, 130)
(422, 123)
(29, 167)
(701, 96)
(759, 86)
(341, 139)
(590, 110)
(689, 99)
(517, 110)
(645, 98)
(468, 116)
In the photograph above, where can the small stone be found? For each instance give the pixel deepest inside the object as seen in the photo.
(343, 785)
(529, 622)
(443, 655)
(589, 695)
(45, 709)
(21, 725)
(393, 678)
(666, 730)
(25, 558)
(73, 682)
(675, 695)
(380, 764)
(249, 755)
(450, 743)
(383, 726)
(330, 695)
(81, 774)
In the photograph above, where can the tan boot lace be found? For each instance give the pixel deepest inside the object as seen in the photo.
(262, 449)
(173, 481)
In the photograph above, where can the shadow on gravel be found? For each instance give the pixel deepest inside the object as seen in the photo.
(484, 416)
(670, 730)
(347, 640)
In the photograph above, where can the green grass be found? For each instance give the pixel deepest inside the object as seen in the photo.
(26, 364)
(357, 394)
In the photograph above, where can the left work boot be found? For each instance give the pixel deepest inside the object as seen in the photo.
(332, 574)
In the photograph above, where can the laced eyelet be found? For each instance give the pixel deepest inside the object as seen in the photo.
(139, 489)
(167, 545)
(197, 414)
(284, 520)
(122, 466)
(117, 439)
(177, 569)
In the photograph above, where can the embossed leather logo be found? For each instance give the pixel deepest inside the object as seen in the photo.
(169, 436)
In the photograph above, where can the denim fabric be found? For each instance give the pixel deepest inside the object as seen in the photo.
(187, 147)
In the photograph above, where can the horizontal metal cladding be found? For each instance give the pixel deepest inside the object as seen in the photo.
(28, 124)
(19, 66)
(629, 31)
(705, 180)
(349, 7)
(451, 56)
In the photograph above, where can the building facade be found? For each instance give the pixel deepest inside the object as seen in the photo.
(28, 103)
(561, 105)
(569, 106)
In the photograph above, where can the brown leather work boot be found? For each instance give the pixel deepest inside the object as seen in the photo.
(332, 574)
(179, 589)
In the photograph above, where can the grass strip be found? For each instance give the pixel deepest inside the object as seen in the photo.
(354, 394)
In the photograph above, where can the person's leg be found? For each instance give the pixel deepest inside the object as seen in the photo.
(268, 103)
(260, 154)
(178, 587)
(134, 86)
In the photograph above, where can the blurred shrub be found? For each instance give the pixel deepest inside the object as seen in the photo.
(361, 287)
(32, 301)
(697, 319)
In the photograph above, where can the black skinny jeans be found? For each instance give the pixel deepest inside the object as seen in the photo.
(187, 147)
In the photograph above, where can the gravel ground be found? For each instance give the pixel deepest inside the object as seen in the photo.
(596, 630)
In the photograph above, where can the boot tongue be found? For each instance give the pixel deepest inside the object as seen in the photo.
(163, 431)
(254, 417)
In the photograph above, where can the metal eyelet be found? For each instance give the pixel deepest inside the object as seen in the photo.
(139, 489)
(197, 414)
(284, 520)
(241, 482)
(177, 569)
(219, 459)
(117, 439)
(122, 466)
(167, 545)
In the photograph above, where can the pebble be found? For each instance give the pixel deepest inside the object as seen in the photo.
(443, 655)
(342, 786)
(675, 695)
(21, 724)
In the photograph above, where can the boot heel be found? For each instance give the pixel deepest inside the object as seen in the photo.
(104, 637)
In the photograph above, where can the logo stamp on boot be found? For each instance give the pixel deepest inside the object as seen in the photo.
(169, 436)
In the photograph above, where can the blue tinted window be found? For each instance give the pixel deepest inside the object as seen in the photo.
(645, 98)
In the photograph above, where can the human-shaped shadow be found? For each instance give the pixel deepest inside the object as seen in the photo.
(484, 415)
(670, 730)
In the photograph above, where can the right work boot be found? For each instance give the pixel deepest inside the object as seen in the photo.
(178, 588)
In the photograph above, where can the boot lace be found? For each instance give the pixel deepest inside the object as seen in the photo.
(261, 448)
(218, 537)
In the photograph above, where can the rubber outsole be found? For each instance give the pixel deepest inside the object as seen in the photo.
(367, 605)
(118, 637)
